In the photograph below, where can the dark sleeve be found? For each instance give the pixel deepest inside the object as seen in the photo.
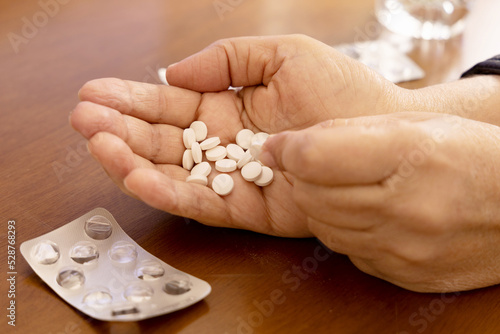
(490, 66)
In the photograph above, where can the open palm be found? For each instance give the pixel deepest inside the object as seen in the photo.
(135, 129)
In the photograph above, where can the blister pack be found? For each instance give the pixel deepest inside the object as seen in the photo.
(97, 268)
(384, 58)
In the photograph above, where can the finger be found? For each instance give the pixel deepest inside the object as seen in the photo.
(151, 103)
(245, 61)
(343, 155)
(347, 207)
(160, 143)
(345, 241)
(118, 160)
(178, 197)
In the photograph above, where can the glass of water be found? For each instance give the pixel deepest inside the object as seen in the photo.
(425, 19)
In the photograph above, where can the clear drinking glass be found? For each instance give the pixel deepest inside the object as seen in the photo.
(425, 19)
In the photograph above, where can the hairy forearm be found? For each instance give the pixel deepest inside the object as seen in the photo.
(476, 98)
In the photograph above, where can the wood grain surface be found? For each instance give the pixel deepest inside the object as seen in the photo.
(47, 177)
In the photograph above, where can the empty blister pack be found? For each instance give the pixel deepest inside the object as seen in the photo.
(384, 58)
(96, 267)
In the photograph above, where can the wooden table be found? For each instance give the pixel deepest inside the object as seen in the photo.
(47, 179)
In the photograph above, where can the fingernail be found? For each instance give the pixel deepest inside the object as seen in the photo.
(267, 159)
(172, 65)
(90, 151)
(125, 183)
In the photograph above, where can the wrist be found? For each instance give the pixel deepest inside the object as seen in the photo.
(476, 98)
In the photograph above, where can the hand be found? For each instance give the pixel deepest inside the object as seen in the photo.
(135, 129)
(412, 198)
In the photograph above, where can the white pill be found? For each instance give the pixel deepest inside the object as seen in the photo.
(200, 130)
(251, 171)
(216, 153)
(188, 137)
(265, 178)
(196, 151)
(187, 160)
(257, 142)
(198, 179)
(203, 168)
(223, 184)
(162, 75)
(225, 165)
(244, 138)
(209, 143)
(234, 152)
(259, 138)
(247, 157)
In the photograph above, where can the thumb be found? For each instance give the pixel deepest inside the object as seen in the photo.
(337, 153)
(244, 61)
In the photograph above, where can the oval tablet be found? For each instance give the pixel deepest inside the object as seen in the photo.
(203, 168)
(234, 152)
(187, 160)
(209, 143)
(244, 138)
(216, 153)
(225, 165)
(251, 171)
(198, 179)
(196, 152)
(200, 130)
(265, 178)
(188, 137)
(223, 184)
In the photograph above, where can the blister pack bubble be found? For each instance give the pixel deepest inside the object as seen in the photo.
(97, 268)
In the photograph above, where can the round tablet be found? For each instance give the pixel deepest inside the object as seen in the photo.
(162, 75)
(244, 138)
(234, 152)
(187, 160)
(259, 138)
(265, 178)
(216, 153)
(200, 130)
(203, 168)
(209, 143)
(188, 137)
(247, 157)
(251, 171)
(198, 179)
(255, 150)
(196, 152)
(225, 165)
(223, 184)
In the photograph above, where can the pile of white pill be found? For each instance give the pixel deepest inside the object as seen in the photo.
(227, 159)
